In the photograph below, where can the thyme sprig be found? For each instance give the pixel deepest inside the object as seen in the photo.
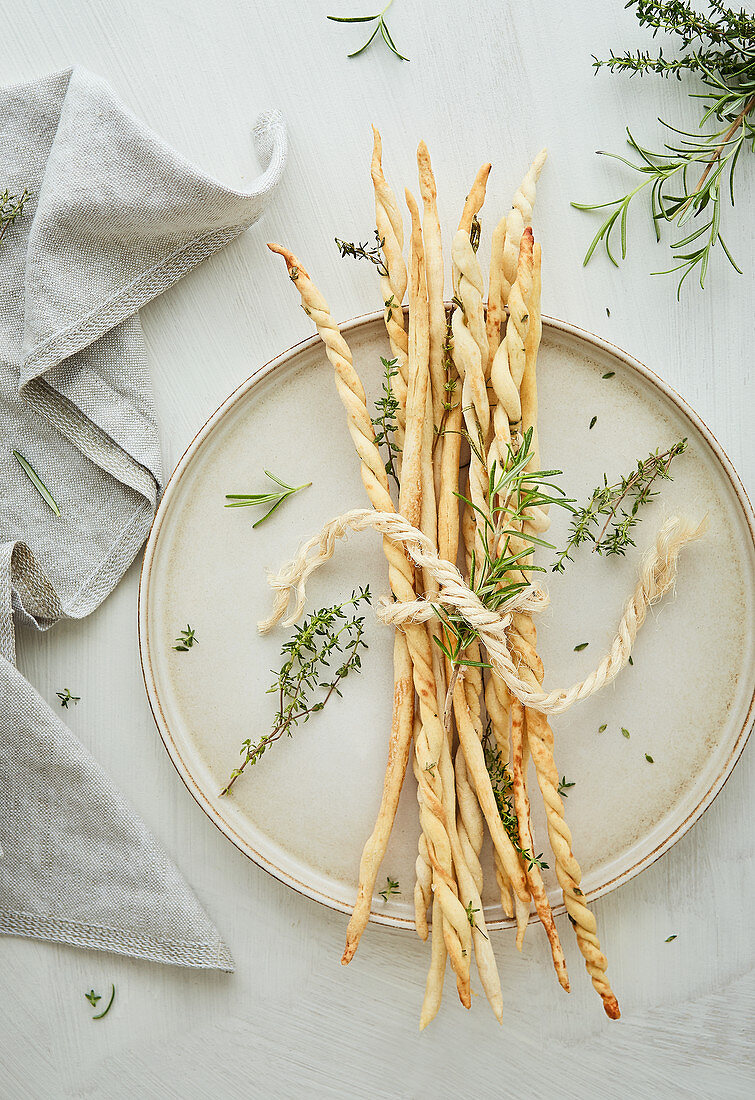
(66, 698)
(373, 253)
(306, 664)
(186, 639)
(11, 208)
(611, 502)
(689, 177)
(502, 783)
(385, 421)
(391, 888)
(37, 482)
(380, 26)
(247, 500)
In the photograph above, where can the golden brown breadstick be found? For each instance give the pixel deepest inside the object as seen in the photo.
(399, 748)
(495, 314)
(434, 272)
(517, 221)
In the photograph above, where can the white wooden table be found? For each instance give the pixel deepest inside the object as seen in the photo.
(487, 80)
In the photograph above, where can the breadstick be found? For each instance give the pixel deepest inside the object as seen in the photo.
(517, 221)
(399, 748)
(401, 577)
(537, 518)
(434, 271)
(495, 313)
(522, 808)
(540, 737)
(390, 230)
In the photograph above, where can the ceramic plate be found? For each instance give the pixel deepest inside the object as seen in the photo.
(304, 811)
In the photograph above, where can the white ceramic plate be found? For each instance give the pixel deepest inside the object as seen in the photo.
(304, 811)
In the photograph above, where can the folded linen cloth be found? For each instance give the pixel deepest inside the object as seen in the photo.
(115, 217)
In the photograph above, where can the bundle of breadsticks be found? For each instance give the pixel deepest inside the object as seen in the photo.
(466, 388)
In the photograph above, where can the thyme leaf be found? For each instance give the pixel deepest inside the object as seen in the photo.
(391, 888)
(66, 698)
(186, 639)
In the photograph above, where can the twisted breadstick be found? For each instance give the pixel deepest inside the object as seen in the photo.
(390, 231)
(510, 360)
(540, 738)
(657, 575)
(401, 577)
(517, 221)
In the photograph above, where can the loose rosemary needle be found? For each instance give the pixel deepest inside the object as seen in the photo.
(380, 26)
(37, 482)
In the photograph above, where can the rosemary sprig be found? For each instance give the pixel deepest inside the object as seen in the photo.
(689, 176)
(66, 698)
(613, 536)
(391, 888)
(380, 26)
(247, 500)
(307, 655)
(385, 421)
(11, 208)
(186, 639)
(497, 577)
(36, 481)
(364, 251)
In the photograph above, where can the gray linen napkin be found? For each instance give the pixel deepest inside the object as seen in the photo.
(115, 217)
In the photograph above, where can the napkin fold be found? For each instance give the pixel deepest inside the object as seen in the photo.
(115, 217)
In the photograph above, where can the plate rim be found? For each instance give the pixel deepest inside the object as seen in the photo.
(172, 749)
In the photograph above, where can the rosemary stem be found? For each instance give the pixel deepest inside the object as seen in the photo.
(749, 106)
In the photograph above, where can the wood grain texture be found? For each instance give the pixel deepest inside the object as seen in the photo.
(291, 1021)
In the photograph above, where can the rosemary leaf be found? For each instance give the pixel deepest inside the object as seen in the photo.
(37, 482)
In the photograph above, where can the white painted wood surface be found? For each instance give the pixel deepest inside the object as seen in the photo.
(488, 80)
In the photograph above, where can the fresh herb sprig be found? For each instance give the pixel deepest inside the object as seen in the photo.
(253, 500)
(11, 208)
(380, 27)
(564, 786)
(611, 503)
(391, 888)
(502, 783)
(385, 421)
(496, 576)
(186, 639)
(307, 656)
(690, 176)
(93, 998)
(373, 253)
(37, 482)
(66, 698)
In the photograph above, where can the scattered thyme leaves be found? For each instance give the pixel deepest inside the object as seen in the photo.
(306, 665)
(625, 732)
(37, 482)
(670, 938)
(93, 997)
(649, 758)
(470, 911)
(593, 422)
(609, 374)
(603, 728)
(565, 785)
(186, 639)
(631, 660)
(66, 698)
(612, 503)
(380, 26)
(273, 497)
(391, 888)
(581, 646)
(385, 422)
